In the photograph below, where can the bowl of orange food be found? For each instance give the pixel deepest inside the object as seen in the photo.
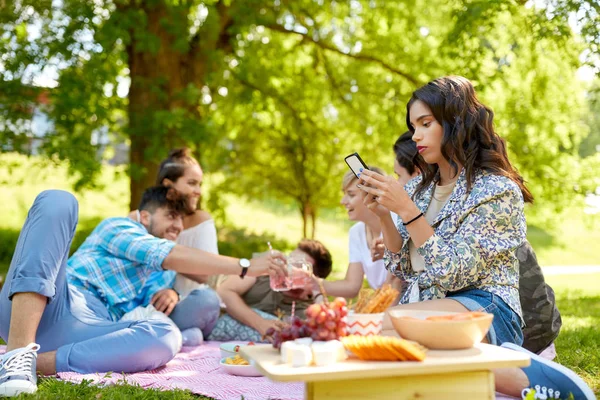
(442, 330)
(237, 365)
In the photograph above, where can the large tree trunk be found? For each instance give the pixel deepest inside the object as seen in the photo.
(158, 75)
(143, 172)
(309, 216)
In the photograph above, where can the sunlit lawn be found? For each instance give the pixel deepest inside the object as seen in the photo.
(578, 345)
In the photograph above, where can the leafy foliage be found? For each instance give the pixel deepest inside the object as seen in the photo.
(274, 93)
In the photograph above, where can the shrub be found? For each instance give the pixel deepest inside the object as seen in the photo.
(239, 242)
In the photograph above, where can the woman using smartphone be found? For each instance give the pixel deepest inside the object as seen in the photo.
(460, 224)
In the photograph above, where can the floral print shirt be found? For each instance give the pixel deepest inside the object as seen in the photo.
(474, 244)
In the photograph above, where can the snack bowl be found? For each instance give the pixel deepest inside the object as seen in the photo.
(239, 370)
(364, 324)
(443, 333)
(232, 348)
(229, 349)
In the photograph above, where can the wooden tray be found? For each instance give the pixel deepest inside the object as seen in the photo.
(482, 357)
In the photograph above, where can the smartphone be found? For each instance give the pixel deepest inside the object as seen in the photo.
(355, 163)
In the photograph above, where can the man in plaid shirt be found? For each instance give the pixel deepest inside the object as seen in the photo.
(73, 311)
(115, 261)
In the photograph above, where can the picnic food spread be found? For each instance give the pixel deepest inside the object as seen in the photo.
(375, 301)
(323, 322)
(305, 351)
(460, 330)
(322, 339)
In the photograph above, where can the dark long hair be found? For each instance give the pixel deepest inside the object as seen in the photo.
(469, 137)
(173, 167)
(406, 151)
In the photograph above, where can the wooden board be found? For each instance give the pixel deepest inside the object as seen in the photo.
(482, 357)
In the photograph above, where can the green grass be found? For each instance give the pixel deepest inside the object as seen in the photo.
(53, 389)
(578, 345)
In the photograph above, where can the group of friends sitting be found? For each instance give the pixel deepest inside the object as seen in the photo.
(448, 232)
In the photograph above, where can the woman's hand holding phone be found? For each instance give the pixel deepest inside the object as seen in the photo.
(384, 192)
(373, 205)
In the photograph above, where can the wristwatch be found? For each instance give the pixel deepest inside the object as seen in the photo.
(244, 264)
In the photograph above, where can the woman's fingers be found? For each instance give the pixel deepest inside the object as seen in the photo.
(372, 176)
(367, 179)
(371, 190)
(369, 201)
(277, 264)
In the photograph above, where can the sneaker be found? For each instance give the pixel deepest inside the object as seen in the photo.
(551, 380)
(192, 337)
(17, 371)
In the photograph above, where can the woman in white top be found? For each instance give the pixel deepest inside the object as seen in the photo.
(186, 299)
(361, 236)
(183, 172)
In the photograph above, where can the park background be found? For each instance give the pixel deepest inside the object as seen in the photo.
(271, 95)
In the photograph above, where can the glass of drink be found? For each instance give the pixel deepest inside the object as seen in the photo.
(301, 272)
(299, 275)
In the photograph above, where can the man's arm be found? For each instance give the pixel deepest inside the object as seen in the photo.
(197, 278)
(124, 238)
(231, 292)
(198, 262)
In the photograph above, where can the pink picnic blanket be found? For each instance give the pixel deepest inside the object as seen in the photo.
(198, 369)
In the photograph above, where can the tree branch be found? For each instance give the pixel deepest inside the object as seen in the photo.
(360, 57)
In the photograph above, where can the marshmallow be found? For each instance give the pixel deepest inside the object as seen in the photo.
(301, 355)
(306, 341)
(286, 354)
(327, 353)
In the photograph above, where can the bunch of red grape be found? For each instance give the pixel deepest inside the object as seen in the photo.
(327, 322)
(297, 329)
(323, 322)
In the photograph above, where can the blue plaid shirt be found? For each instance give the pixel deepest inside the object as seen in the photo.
(115, 262)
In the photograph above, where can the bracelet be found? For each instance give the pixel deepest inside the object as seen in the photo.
(412, 220)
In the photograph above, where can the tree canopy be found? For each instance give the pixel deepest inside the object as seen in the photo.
(275, 93)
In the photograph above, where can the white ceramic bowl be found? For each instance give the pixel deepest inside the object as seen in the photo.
(239, 370)
(440, 335)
